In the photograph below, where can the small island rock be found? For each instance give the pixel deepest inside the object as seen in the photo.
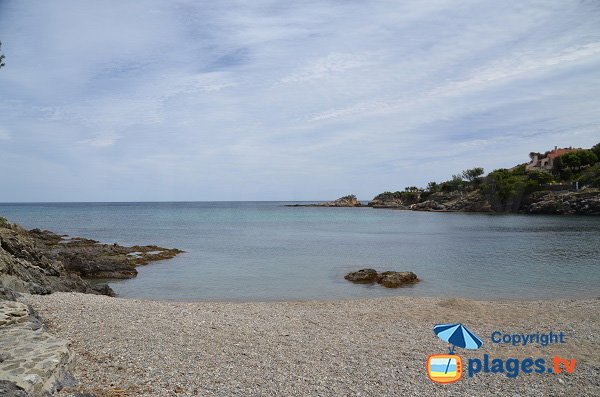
(363, 276)
(396, 279)
(388, 279)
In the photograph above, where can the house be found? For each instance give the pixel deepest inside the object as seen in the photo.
(546, 161)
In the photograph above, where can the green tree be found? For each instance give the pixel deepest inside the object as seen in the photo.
(596, 150)
(473, 174)
(587, 157)
(540, 177)
(505, 189)
(590, 176)
(433, 187)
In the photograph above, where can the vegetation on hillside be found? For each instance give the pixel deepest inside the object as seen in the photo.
(506, 189)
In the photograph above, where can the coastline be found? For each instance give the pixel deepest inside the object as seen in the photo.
(348, 347)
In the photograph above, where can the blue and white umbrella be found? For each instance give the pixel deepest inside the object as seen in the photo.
(457, 335)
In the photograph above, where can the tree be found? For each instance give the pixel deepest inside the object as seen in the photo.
(433, 187)
(596, 150)
(2, 64)
(473, 174)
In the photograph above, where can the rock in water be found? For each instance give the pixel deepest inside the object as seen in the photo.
(388, 279)
(363, 276)
(396, 279)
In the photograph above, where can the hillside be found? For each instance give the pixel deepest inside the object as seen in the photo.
(561, 181)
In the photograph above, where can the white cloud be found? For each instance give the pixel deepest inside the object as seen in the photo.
(241, 97)
(330, 65)
(100, 141)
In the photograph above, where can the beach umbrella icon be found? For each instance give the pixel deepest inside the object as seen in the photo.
(457, 335)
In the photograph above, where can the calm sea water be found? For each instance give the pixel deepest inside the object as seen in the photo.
(264, 251)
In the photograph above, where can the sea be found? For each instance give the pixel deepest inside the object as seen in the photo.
(263, 251)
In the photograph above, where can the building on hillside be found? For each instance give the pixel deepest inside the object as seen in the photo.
(546, 161)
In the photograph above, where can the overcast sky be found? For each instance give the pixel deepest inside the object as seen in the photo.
(280, 100)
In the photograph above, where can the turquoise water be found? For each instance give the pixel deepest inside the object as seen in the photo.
(265, 251)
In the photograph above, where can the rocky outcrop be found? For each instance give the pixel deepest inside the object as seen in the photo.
(396, 279)
(396, 200)
(585, 202)
(388, 279)
(346, 201)
(363, 276)
(42, 262)
(454, 202)
(11, 389)
(32, 362)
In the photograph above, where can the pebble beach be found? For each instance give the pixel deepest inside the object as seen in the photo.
(367, 347)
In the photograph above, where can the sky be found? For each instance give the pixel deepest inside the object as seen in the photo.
(276, 100)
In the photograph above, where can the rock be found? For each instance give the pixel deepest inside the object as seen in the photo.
(103, 289)
(388, 279)
(363, 276)
(584, 202)
(397, 200)
(7, 294)
(429, 205)
(346, 201)
(33, 362)
(31, 378)
(396, 279)
(10, 389)
(41, 262)
(454, 202)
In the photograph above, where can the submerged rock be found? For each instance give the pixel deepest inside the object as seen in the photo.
(389, 279)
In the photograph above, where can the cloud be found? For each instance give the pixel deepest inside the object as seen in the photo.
(272, 100)
(329, 65)
(100, 141)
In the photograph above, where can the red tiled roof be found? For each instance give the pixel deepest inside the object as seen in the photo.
(559, 152)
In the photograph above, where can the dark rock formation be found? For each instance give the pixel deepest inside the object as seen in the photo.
(397, 200)
(454, 202)
(42, 262)
(10, 389)
(396, 279)
(103, 289)
(585, 202)
(346, 201)
(364, 276)
(388, 279)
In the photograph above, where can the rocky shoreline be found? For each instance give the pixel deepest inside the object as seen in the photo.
(32, 361)
(346, 201)
(41, 262)
(545, 202)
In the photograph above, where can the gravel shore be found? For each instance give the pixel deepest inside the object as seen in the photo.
(376, 347)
